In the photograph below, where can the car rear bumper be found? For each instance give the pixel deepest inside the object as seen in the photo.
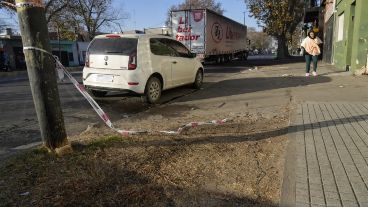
(115, 80)
(97, 88)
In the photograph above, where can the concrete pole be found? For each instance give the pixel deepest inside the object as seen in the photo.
(41, 72)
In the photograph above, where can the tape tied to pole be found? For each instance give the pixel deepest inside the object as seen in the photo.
(30, 4)
(100, 112)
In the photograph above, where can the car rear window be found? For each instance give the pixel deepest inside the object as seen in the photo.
(121, 46)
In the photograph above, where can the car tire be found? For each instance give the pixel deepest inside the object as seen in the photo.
(98, 93)
(153, 90)
(198, 81)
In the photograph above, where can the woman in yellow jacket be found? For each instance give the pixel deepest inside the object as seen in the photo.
(311, 48)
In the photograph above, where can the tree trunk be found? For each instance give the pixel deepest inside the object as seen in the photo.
(282, 49)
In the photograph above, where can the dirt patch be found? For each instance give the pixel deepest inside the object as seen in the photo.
(236, 164)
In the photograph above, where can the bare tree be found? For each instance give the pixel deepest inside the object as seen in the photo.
(52, 7)
(92, 15)
(69, 15)
(195, 4)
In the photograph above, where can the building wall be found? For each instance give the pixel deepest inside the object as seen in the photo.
(13, 48)
(65, 46)
(352, 49)
(329, 9)
(360, 36)
(82, 46)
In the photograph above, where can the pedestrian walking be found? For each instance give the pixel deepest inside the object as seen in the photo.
(310, 46)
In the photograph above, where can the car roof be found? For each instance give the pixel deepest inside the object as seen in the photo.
(138, 36)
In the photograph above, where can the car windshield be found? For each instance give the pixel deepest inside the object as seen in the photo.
(121, 46)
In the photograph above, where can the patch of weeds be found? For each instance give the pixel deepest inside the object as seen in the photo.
(106, 142)
(41, 151)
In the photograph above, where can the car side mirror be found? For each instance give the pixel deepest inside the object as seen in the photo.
(193, 55)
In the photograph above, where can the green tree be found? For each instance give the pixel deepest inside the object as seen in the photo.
(195, 4)
(258, 40)
(279, 18)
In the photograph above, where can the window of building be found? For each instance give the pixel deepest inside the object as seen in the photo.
(340, 27)
(71, 57)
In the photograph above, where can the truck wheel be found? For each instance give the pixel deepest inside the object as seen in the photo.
(98, 93)
(153, 90)
(245, 56)
(218, 60)
(198, 81)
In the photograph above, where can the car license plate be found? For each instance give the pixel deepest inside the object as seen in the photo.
(104, 78)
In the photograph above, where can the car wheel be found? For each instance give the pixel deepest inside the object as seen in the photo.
(198, 80)
(153, 90)
(98, 93)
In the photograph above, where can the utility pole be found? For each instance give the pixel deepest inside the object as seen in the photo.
(41, 72)
(244, 18)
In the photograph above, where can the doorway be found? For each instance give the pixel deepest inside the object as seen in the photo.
(350, 36)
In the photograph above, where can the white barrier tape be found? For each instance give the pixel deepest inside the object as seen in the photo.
(104, 116)
(30, 4)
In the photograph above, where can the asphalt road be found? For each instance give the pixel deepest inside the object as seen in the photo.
(19, 126)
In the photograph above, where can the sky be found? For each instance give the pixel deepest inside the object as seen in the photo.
(152, 13)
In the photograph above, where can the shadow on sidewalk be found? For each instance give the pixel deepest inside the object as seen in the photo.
(250, 85)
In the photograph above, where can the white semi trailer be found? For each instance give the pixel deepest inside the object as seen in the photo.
(213, 37)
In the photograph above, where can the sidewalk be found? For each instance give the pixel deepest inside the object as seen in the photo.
(331, 143)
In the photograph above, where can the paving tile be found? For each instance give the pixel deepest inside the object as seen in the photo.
(332, 195)
(333, 202)
(347, 197)
(332, 160)
(363, 204)
(362, 198)
(317, 201)
(350, 204)
(301, 199)
(301, 204)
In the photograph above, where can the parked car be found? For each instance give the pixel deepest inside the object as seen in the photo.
(139, 64)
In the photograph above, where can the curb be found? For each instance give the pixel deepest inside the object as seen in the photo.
(288, 186)
(14, 74)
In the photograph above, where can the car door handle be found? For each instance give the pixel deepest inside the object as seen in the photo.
(174, 62)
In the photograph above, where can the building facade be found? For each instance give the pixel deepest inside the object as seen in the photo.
(351, 35)
(345, 31)
(328, 30)
(314, 19)
(70, 53)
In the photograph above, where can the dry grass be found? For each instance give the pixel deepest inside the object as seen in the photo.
(236, 164)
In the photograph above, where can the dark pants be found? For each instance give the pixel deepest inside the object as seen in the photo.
(308, 59)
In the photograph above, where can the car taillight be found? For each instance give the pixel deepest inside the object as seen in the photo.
(113, 36)
(132, 64)
(87, 59)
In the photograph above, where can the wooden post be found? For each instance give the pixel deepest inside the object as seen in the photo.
(41, 72)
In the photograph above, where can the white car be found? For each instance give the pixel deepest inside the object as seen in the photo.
(140, 64)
